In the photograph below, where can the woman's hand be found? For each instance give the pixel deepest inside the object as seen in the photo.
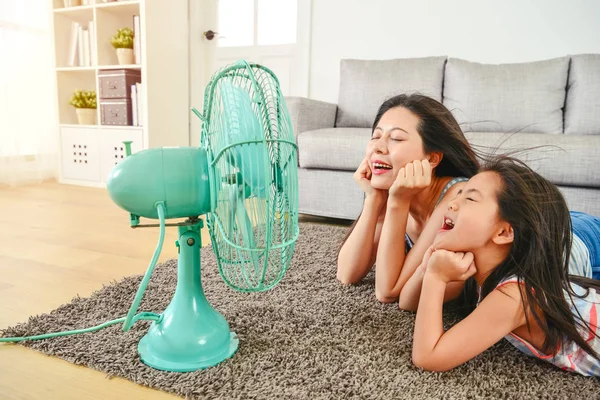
(451, 266)
(413, 177)
(362, 176)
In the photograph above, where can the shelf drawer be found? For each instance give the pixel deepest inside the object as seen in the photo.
(80, 154)
(116, 83)
(112, 149)
(116, 112)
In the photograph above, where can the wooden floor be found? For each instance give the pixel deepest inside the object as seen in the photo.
(58, 241)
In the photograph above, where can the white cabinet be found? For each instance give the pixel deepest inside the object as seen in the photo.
(80, 158)
(88, 154)
(112, 149)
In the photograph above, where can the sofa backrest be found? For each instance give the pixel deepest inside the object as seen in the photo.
(525, 97)
(365, 84)
(559, 95)
(582, 109)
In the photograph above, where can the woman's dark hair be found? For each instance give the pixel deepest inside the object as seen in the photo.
(439, 131)
(540, 253)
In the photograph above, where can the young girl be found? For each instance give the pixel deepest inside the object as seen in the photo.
(533, 264)
(415, 161)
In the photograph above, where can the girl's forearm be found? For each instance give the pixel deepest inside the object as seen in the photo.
(391, 252)
(429, 326)
(411, 292)
(354, 258)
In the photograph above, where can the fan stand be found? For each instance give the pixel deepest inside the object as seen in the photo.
(190, 333)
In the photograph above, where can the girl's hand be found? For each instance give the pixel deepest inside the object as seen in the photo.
(426, 257)
(450, 266)
(413, 177)
(362, 176)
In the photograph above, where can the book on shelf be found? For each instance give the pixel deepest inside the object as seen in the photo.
(140, 103)
(85, 34)
(134, 114)
(72, 56)
(137, 102)
(80, 57)
(82, 45)
(93, 43)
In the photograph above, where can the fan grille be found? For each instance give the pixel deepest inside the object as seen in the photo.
(253, 166)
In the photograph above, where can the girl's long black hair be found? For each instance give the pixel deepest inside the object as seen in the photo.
(540, 254)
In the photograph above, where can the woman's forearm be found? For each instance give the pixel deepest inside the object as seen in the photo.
(354, 258)
(391, 252)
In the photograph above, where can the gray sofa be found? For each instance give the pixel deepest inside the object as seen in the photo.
(510, 106)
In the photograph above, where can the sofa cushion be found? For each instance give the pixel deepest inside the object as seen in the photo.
(365, 84)
(582, 110)
(329, 193)
(526, 97)
(335, 148)
(564, 160)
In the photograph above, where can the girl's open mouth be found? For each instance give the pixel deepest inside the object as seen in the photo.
(448, 224)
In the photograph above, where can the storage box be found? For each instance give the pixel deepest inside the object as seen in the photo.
(116, 83)
(116, 112)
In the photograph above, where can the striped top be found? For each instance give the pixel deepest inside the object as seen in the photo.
(570, 356)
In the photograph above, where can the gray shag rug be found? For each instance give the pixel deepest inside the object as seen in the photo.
(309, 337)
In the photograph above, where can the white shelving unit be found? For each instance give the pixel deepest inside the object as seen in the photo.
(88, 152)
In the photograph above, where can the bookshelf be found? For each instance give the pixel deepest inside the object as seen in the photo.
(88, 152)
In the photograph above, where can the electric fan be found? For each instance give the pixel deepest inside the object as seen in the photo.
(244, 181)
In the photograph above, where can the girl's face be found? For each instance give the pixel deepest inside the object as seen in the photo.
(395, 143)
(472, 220)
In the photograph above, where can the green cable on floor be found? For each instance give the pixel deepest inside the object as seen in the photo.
(141, 316)
(128, 320)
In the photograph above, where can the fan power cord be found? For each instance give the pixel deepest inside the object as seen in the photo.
(131, 317)
(144, 316)
(160, 208)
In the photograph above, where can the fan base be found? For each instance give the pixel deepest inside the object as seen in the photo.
(154, 361)
(190, 333)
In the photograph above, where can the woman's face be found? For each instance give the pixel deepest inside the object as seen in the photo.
(472, 218)
(395, 143)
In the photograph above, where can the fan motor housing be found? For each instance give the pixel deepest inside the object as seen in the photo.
(176, 176)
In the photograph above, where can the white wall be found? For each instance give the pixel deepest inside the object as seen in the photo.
(487, 31)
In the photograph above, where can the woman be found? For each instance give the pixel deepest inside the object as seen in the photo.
(417, 159)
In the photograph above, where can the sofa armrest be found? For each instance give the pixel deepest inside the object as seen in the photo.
(308, 114)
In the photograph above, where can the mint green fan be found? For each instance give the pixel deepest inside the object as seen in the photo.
(244, 180)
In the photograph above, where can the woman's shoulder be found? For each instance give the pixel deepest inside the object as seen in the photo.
(451, 187)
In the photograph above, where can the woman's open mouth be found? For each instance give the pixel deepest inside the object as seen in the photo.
(380, 167)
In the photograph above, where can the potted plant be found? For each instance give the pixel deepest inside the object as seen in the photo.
(84, 102)
(122, 41)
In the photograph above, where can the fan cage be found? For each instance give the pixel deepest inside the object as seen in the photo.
(252, 156)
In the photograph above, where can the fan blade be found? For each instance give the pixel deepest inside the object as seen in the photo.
(245, 227)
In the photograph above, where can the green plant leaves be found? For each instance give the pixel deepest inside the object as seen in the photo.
(84, 99)
(123, 39)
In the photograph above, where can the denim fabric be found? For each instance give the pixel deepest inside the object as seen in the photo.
(587, 228)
